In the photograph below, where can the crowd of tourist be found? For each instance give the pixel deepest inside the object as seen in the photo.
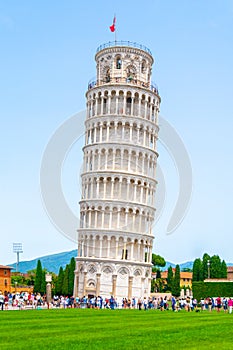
(35, 301)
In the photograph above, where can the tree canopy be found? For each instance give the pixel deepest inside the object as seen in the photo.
(158, 260)
(209, 266)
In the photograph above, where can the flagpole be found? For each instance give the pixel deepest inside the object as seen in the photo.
(115, 28)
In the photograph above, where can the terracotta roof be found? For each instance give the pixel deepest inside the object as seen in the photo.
(182, 274)
(5, 267)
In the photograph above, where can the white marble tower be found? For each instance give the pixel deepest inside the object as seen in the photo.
(119, 175)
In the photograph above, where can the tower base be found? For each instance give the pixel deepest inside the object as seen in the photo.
(121, 279)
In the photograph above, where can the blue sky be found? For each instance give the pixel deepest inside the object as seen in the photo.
(47, 59)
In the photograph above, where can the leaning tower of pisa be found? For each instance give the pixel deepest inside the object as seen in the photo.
(117, 207)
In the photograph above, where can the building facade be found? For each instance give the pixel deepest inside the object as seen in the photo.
(5, 278)
(117, 207)
(186, 278)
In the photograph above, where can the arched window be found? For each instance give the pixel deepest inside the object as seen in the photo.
(108, 76)
(143, 66)
(118, 62)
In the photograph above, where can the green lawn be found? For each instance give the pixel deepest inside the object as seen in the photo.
(114, 329)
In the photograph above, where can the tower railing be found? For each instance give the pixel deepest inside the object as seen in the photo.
(124, 43)
(152, 86)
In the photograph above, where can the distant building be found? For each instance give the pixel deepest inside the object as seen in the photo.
(230, 272)
(185, 278)
(5, 278)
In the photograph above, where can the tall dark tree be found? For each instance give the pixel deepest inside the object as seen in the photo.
(58, 286)
(38, 278)
(170, 279)
(158, 274)
(205, 261)
(197, 270)
(224, 269)
(176, 282)
(71, 276)
(215, 267)
(65, 285)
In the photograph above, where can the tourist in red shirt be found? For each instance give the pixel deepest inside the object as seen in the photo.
(219, 303)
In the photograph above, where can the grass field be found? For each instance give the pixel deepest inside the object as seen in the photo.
(114, 329)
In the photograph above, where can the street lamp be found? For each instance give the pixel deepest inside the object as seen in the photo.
(18, 249)
(48, 279)
(208, 266)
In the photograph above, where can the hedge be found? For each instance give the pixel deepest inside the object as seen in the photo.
(212, 289)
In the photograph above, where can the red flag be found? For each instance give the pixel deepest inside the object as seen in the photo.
(112, 27)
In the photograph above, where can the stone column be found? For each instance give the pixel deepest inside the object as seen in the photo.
(145, 116)
(108, 247)
(132, 250)
(143, 286)
(101, 132)
(124, 104)
(98, 284)
(109, 104)
(131, 133)
(113, 159)
(116, 111)
(114, 279)
(95, 134)
(116, 253)
(132, 105)
(48, 292)
(102, 105)
(100, 253)
(130, 287)
(84, 283)
(112, 187)
(107, 137)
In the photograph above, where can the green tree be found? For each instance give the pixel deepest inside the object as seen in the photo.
(176, 282)
(38, 278)
(157, 285)
(215, 267)
(158, 274)
(205, 260)
(224, 269)
(65, 285)
(170, 279)
(59, 283)
(71, 276)
(197, 270)
(158, 260)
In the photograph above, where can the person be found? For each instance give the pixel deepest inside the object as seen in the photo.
(1, 301)
(134, 303)
(225, 304)
(139, 303)
(173, 303)
(6, 300)
(187, 306)
(230, 304)
(202, 304)
(194, 303)
(161, 304)
(219, 303)
(145, 304)
(112, 303)
(210, 304)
